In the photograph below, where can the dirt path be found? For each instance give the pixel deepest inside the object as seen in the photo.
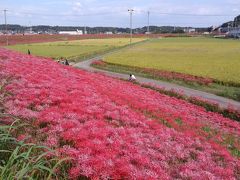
(223, 102)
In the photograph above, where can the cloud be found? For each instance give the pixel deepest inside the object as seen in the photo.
(77, 6)
(114, 12)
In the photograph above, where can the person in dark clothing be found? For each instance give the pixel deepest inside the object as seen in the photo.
(29, 53)
(66, 62)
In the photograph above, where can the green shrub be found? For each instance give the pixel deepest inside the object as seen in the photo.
(22, 160)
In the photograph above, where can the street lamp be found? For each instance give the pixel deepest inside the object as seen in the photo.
(6, 29)
(131, 13)
(148, 28)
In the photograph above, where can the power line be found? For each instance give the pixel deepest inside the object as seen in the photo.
(66, 15)
(204, 15)
(109, 13)
(154, 12)
(141, 23)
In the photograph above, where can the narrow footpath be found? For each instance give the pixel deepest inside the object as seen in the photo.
(223, 102)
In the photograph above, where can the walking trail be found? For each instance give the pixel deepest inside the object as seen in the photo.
(223, 102)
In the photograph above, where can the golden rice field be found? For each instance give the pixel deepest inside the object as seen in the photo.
(73, 49)
(206, 57)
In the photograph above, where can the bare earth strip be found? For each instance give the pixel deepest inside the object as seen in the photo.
(223, 102)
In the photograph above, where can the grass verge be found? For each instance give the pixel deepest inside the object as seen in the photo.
(20, 159)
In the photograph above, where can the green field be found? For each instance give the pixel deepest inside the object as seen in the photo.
(206, 57)
(74, 50)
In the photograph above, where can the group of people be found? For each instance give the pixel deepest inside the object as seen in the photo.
(62, 61)
(65, 62)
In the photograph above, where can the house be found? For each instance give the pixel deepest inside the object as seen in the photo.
(206, 33)
(78, 32)
(189, 30)
(109, 33)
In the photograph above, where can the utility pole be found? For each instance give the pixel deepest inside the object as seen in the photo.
(148, 30)
(235, 24)
(30, 27)
(131, 13)
(6, 29)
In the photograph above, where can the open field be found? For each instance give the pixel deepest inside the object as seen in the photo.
(78, 49)
(205, 57)
(112, 129)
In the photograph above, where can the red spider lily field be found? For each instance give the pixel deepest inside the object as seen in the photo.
(112, 129)
(26, 39)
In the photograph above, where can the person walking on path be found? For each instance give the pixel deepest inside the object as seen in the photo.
(29, 52)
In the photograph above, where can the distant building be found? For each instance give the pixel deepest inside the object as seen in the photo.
(189, 30)
(109, 33)
(29, 31)
(206, 33)
(78, 32)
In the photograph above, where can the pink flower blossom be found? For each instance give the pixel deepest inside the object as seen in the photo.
(118, 130)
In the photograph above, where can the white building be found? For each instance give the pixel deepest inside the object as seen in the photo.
(189, 30)
(109, 33)
(78, 32)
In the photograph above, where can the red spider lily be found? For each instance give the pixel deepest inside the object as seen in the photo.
(114, 129)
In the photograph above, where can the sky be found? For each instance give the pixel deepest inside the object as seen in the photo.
(114, 13)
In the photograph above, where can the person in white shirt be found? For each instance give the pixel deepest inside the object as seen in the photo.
(132, 77)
